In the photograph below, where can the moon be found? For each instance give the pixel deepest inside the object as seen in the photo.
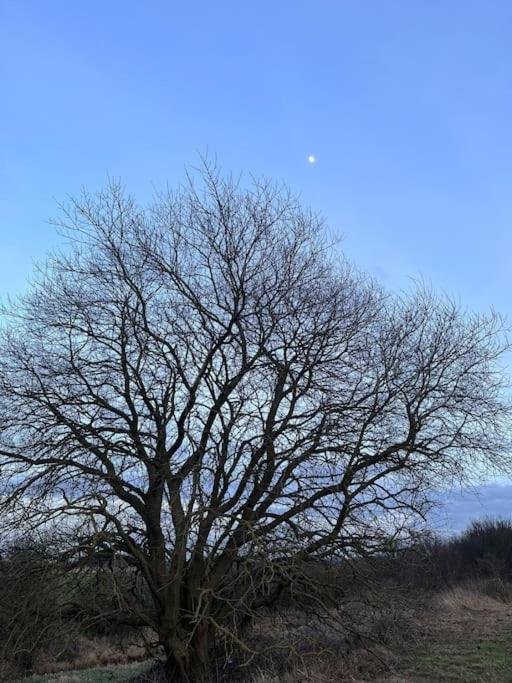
(311, 159)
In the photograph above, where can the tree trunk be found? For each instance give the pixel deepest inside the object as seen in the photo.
(189, 663)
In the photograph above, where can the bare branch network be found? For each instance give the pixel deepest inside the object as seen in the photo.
(214, 396)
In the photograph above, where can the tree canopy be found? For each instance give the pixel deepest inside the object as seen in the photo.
(205, 388)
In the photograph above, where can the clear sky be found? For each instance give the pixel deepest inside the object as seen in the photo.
(407, 106)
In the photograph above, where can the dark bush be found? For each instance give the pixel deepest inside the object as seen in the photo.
(34, 592)
(482, 552)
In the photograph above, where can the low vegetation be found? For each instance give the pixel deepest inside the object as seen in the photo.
(440, 610)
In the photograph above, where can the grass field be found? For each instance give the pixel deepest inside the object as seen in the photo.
(467, 637)
(96, 675)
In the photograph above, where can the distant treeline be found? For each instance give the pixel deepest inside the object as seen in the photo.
(482, 551)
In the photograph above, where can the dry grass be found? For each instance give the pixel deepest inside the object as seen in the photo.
(89, 653)
(464, 635)
(356, 644)
(463, 599)
(467, 637)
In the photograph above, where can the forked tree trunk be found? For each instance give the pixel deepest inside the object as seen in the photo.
(189, 662)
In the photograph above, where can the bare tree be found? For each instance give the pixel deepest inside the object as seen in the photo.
(208, 391)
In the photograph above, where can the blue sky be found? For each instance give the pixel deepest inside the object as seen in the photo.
(460, 507)
(407, 106)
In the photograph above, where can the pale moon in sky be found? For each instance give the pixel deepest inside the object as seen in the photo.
(312, 159)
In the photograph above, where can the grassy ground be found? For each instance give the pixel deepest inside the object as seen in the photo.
(468, 637)
(96, 675)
